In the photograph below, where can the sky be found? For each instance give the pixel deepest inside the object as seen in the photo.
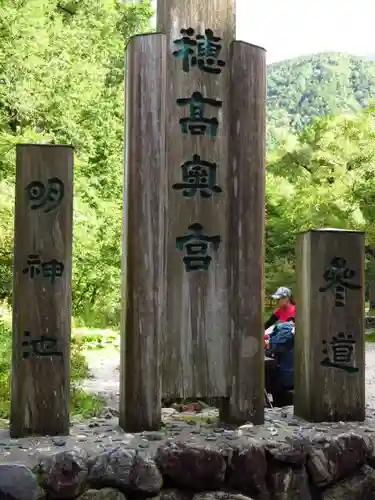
(290, 28)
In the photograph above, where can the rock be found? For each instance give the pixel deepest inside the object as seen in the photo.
(220, 495)
(57, 441)
(369, 440)
(145, 476)
(289, 483)
(154, 435)
(246, 427)
(196, 406)
(176, 406)
(191, 465)
(143, 444)
(81, 438)
(112, 467)
(336, 458)
(64, 474)
(173, 494)
(247, 467)
(293, 452)
(359, 487)
(104, 494)
(168, 412)
(126, 470)
(286, 473)
(17, 482)
(108, 412)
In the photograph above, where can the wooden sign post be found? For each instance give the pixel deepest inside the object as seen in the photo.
(329, 342)
(245, 240)
(196, 342)
(193, 303)
(40, 391)
(143, 268)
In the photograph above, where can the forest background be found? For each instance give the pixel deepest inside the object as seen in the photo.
(61, 81)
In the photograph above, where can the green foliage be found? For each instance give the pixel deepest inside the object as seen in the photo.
(61, 81)
(5, 363)
(370, 337)
(325, 179)
(92, 339)
(325, 84)
(6, 239)
(82, 404)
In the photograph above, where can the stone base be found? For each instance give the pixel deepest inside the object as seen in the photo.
(192, 457)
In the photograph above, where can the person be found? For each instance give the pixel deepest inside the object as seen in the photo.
(280, 345)
(286, 310)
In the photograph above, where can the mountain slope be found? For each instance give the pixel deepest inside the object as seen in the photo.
(315, 85)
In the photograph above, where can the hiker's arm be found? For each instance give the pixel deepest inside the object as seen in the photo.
(271, 321)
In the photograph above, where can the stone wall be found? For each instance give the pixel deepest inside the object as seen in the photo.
(286, 459)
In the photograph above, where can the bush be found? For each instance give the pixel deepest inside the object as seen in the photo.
(83, 404)
(370, 337)
(96, 339)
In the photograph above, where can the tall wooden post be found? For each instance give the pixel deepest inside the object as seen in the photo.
(42, 290)
(246, 191)
(196, 342)
(145, 202)
(329, 342)
(202, 306)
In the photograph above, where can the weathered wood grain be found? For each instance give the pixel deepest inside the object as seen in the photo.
(326, 393)
(40, 388)
(246, 199)
(196, 341)
(145, 203)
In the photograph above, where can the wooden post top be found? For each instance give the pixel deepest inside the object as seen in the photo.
(28, 145)
(258, 47)
(332, 230)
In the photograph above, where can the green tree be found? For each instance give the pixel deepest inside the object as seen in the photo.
(61, 81)
(326, 179)
(306, 87)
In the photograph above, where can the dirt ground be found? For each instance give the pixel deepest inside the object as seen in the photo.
(104, 366)
(99, 433)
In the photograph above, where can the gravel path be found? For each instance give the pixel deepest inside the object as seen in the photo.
(105, 375)
(98, 434)
(370, 375)
(104, 365)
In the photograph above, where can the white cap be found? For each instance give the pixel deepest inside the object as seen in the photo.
(282, 291)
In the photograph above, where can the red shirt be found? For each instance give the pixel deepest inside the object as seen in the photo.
(285, 313)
